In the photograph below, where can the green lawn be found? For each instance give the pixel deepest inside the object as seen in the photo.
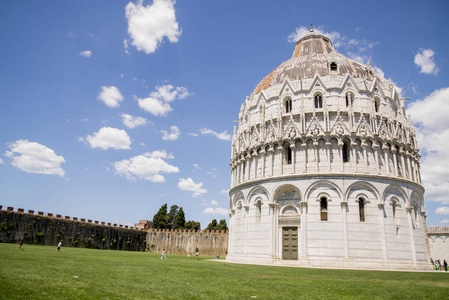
(39, 272)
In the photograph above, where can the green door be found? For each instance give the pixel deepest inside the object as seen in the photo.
(290, 243)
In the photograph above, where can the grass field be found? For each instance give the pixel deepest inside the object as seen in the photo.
(39, 272)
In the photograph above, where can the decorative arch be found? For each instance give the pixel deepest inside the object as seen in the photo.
(238, 201)
(360, 187)
(258, 192)
(322, 184)
(394, 191)
(281, 190)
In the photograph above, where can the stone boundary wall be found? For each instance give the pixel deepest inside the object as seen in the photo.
(49, 229)
(182, 241)
(438, 237)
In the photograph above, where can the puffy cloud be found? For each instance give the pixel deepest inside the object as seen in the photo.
(87, 53)
(214, 202)
(111, 96)
(147, 166)
(445, 221)
(189, 185)
(432, 128)
(33, 157)
(173, 135)
(1, 161)
(158, 102)
(444, 210)
(131, 122)
(125, 45)
(216, 211)
(222, 136)
(424, 60)
(148, 25)
(108, 137)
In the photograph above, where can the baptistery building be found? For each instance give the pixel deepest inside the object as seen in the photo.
(325, 168)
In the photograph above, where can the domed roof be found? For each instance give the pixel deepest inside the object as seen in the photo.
(314, 54)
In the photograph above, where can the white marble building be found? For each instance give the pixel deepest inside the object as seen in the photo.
(325, 168)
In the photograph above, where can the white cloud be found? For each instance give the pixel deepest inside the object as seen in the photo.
(125, 45)
(147, 166)
(87, 53)
(158, 102)
(148, 25)
(224, 192)
(432, 128)
(173, 135)
(108, 137)
(444, 210)
(189, 185)
(214, 202)
(33, 157)
(132, 122)
(1, 161)
(445, 221)
(193, 134)
(216, 211)
(111, 96)
(222, 136)
(424, 60)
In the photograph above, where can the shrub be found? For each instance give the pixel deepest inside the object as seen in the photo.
(89, 242)
(3, 226)
(25, 233)
(39, 237)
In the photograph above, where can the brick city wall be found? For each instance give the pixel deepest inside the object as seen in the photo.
(181, 241)
(48, 229)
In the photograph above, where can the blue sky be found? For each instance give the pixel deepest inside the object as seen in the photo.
(109, 109)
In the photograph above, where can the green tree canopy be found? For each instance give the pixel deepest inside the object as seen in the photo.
(180, 220)
(160, 218)
(192, 225)
(171, 216)
(213, 225)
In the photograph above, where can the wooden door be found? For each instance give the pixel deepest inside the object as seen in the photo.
(290, 243)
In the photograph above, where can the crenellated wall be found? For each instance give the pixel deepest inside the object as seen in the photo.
(48, 230)
(209, 243)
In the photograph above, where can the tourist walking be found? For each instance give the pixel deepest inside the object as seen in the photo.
(445, 265)
(197, 254)
(21, 244)
(163, 255)
(59, 246)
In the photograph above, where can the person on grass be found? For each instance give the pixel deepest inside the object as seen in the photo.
(163, 255)
(21, 244)
(59, 247)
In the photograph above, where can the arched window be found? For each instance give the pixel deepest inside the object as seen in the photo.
(323, 208)
(288, 155)
(318, 101)
(333, 66)
(258, 210)
(349, 99)
(394, 206)
(376, 104)
(345, 151)
(288, 105)
(362, 209)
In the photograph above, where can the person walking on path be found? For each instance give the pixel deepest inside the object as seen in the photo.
(197, 254)
(59, 247)
(445, 265)
(21, 244)
(163, 255)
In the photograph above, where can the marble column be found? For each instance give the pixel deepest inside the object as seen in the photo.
(412, 234)
(383, 236)
(344, 209)
(303, 233)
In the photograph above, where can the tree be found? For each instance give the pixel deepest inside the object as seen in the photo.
(171, 216)
(180, 220)
(160, 218)
(212, 225)
(220, 226)
(192, 225)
